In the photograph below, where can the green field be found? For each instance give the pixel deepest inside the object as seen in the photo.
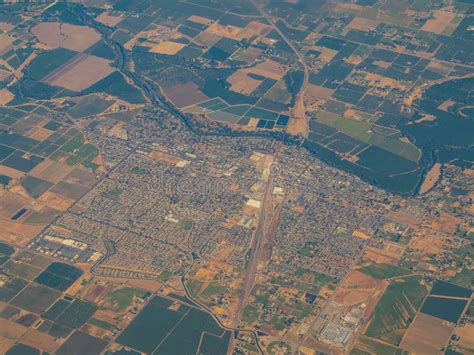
(397, 309)
(367, 346)
(122, 298)
(161, 330)
(384, 271)
(364, 132)
(212, 290)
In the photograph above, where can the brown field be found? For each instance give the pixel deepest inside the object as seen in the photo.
(326, 53)
(440, 67)
(427, 243)
(465, 332)
(55, 201)
(5, 344)
(390, 254)
(10, 330)
(93, 330)
(183, 95)
(108, 19)
(200, 20)
(207, 39)
(232, 32)
(40, 340)
(269, 69)
(10, 172)
(255, 29)
(4, 74)
(5, 97)
(51, 171)
(83, 74)
(297, 126)
(81, 177)
(11, 203)
(404, 218)
(167, 47)
(445, 223)
(55, 34)
(440, 22)
(18, 234)
(314, 93)
(249, 55)
(5, 41)
(358, 287)
(39, 133)
(164, 157)
(5, 26)
(380, 81)
(94, 292)
(431, 178)
(427, 335)
(205, 275)
(242, 83)
(363, 24)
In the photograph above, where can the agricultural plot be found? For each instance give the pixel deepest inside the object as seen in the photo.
(369, 346)
(81, 343)
(384, 271)
(35, 298)
(164, 325)
(397, 309)
(59, 276)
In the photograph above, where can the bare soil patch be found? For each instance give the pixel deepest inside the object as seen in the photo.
(83, 74)
(108, 19)
(18, 234)
(427, 335)
(363, 24)
(242, 83)
(445, 223)
(5, 26)
(167, 47)
(39, 133)
(10, 172)
(440, 21)
(55, 34)
(5, 41)
(431, 178)
(40, 340)
(358, 287)
(183, 95)
(51, 171)
(56, 201)
(199, 19)
(5, 97)
(207, 39)
(270, 69)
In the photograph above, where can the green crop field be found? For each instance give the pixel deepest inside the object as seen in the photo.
(367, 346)
(384, 271)
(397, 309)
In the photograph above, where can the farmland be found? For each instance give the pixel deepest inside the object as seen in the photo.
(158, 328)
(245, 176)
(396, 309)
